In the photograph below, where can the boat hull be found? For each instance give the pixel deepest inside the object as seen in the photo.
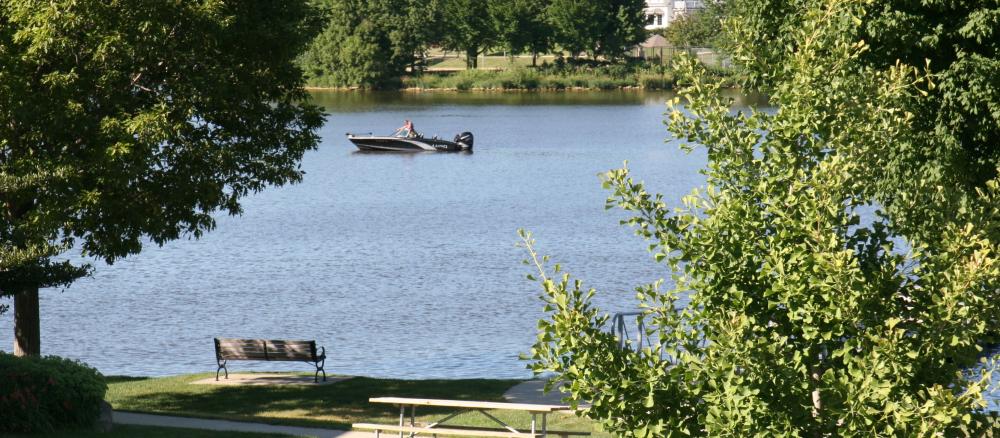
(397, 144)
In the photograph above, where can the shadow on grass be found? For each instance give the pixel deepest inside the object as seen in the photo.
(119, 379)
(335, 406)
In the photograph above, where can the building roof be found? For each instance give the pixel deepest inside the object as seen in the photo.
(655, 41)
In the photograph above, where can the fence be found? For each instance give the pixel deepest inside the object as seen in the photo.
(664, 55)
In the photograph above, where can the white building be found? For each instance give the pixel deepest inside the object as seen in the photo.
(659, 13)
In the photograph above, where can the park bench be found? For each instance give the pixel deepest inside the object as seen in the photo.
(268, 350)
(412, 429)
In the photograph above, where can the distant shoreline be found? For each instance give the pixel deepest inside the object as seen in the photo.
(481, 89)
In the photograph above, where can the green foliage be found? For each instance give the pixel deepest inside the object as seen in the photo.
(602, 27)
(367, 44)
(519, 25)
(699, 28)
(801, 305)
(623, 28)
(468, 27)
(39, 394)
(129, 121)
(923, 181)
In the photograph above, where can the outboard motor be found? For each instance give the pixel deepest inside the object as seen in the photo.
(465, 139)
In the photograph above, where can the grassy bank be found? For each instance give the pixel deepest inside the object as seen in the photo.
(531, 79)
(122, 431)
(555, 76)
(335, 406)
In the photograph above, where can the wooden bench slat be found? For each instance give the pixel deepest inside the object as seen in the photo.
(244, 356)
(444, 431)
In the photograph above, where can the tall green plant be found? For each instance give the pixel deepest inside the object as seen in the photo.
(798, 307)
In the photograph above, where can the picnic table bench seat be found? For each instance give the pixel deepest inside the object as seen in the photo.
(463, 431)
(227, 349)
(420, 430)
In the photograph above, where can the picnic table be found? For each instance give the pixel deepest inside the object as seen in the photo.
(462, 406)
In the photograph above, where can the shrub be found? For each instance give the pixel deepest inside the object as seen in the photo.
(39, 394)
(656, 81)
(605, 83)
(554, 82)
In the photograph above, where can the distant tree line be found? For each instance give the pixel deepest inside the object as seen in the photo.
(371, 43)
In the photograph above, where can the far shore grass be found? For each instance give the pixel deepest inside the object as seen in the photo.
(334, 406)
(525, 79)
(503, 73)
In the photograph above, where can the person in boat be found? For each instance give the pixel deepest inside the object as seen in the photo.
(406, 130)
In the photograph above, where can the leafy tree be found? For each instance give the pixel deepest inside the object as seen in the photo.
(920, 183)
(368, 43)
(576, 24)
(699, 28)
(468, 27)
(519, 25)
(132, 121)
(600, 27)
(810, 310)
(624, 27)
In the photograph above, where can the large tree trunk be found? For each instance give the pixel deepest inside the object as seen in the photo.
(27, 334)
(472, 58)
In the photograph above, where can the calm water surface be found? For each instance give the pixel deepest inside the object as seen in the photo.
(402, 265)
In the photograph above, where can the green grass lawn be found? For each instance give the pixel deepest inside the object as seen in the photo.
(488, 62)
(122, 431)
(333, 406)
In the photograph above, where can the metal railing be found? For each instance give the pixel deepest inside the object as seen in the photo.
(622, 322)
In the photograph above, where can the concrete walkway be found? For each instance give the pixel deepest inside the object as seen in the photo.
(234, 426)
(532, 392)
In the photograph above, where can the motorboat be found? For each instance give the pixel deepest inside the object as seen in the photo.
(404, 140)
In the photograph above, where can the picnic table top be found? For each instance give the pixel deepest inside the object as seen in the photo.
(469, 404)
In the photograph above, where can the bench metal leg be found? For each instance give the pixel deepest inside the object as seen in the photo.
(319, 369)
(222, 366)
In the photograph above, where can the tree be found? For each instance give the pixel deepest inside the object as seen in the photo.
(359, 48)
(133, 121)
(806, 314)
(519, 25)
(624, 27)
(927, 183)
(601, 27)
(575, 24)
(699, 28)
(467, 27)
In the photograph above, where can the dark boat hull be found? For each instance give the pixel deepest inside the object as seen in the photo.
(399, 144)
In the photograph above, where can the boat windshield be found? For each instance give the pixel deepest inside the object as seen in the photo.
(401, 133)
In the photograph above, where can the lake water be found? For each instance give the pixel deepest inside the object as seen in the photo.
(402, 265)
